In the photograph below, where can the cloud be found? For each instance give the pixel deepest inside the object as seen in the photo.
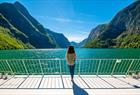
(66, 20)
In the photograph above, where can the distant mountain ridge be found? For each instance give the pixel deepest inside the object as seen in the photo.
(123, 31)
(59, 38)
(24, 28)
(75, 44)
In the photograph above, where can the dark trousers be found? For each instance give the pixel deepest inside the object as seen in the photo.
(71, 69)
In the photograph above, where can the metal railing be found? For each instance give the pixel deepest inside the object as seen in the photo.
(59, 66)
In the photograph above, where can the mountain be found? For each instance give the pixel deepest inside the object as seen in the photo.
(75, 44)
(80, 44)
(26, 29)
(95, 33)
(8, 41)
(59, 38)
(123, 31)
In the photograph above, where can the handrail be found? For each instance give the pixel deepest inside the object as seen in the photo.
(77, 59)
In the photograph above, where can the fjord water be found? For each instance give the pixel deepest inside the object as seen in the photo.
(60, 53)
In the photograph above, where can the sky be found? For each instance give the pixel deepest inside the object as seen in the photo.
(74, 18)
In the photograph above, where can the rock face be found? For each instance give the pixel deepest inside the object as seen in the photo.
(123, 31)
(59, 38)
(27, 29)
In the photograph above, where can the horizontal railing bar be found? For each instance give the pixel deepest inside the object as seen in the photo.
(76, 59)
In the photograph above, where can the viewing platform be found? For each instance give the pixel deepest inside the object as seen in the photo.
(50, 77)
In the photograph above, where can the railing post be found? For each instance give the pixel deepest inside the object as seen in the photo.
(60, 67)
(89, 66)
(41, 67)
(79, 67)
(98, 67)
(114, 67)
(25, 67)
(129, 67)
(9, 66)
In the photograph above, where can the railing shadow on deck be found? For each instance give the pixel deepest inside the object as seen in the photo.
(78, 90)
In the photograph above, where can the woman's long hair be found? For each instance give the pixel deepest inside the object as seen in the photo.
(70, 50)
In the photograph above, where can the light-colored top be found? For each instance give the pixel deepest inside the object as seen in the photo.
(71, 58)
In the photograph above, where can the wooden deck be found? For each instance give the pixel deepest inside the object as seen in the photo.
(62, 85)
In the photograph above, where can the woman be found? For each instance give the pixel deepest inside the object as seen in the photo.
(71, 57)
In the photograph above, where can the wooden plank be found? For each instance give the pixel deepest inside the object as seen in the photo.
(59, 83)
(31, 82)
(28, 85)
(25, 83)
(44, 83)
(131, 81)
(79, 82)
(2, 81)
(96, 82)
(117, 83)
(13, 83)
(67, 82)
(51, 82)
(35, 82)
